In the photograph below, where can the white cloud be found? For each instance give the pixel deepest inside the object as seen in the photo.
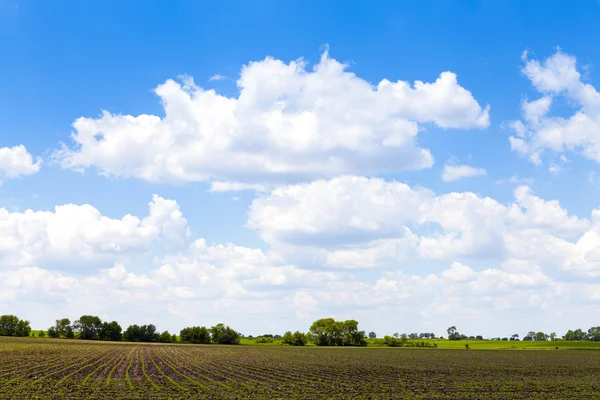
(453, 173)
(16, 162)
(354, 222)
(239, 285)
(288, 123)
(541, 132)
(217, 77)
(72, 233)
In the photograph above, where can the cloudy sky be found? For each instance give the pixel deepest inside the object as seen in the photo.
(411, 165)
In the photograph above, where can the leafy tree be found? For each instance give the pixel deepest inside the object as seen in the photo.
(8, 325)
(294, 339)
(222, 334)
(453, 333)
(23, 328)
(144, 333)
(165, 337)
(577, 335)
(594, 334)
(515, 337)
(11, 325)
(531, 334)
(478, 337)
(88, 327)
(413, 336)
(541, 336)
(195, 334)
(328, 332)
(41, 334)
(111, 331)
(63, 329)
(553, 336)
(372, 335)
(53, 333)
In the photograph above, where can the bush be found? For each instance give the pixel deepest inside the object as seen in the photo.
(294, 339)
(264, 339)
(195, 334)
(222, 334)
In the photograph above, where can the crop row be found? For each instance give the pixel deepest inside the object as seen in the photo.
(50, 370)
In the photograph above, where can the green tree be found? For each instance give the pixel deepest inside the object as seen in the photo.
(594, 334)
(324, 332)
(144, 333)
(372, 335)
(8, 325)
(23, 328)
(63, 329)
(53, 333)
(88, 327)
(195, 334)
(328, 332)
(165, 337)
(111, 331)
(222, 334)
(453, 333)
(294, 339)
(541, 336)
(41, 334)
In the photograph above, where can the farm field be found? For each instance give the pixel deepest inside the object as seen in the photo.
(38, 368)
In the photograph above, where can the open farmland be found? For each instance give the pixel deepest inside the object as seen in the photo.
(72, 369)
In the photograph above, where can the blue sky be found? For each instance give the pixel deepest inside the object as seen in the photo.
(346, 209)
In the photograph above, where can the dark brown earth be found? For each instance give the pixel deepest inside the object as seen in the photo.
(47, 369)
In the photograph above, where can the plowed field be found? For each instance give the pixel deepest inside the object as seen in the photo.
(60, 369)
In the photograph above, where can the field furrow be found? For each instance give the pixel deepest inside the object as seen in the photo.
(85, 370)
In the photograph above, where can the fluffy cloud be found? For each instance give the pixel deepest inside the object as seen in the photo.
(538, 131)
(355, 222)
(16, 162)
(288, 123)
(225, 283)
(72, 233)
(456, 172)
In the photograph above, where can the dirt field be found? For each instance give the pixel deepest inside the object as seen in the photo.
(32, 368)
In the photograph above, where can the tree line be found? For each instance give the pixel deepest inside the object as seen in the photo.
(592, 335)
(323, 332)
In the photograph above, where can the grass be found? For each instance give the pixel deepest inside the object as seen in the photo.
(441, 343)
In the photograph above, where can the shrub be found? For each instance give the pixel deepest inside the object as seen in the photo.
(195, 334)
(264, 339)
(294, 339)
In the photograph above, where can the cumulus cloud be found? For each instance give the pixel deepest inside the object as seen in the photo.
(539, 131)
(16, 162)
(356, 222)
(227, 283)
(72, 233)
(453, 173)
(373, 222)
(289, 123)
